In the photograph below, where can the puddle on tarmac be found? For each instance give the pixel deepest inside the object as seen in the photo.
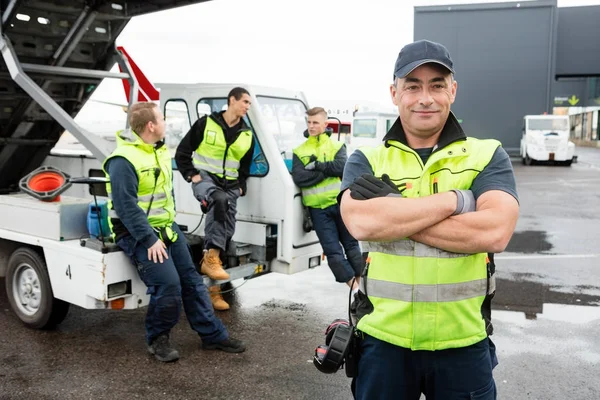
(529, 297)
(525, 294)
(529, 242)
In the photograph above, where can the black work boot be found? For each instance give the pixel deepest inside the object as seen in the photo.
(162, 350)
(229, 345)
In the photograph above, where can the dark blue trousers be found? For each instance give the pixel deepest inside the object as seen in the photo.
(341, 249)
(388, 372)
(169, 283)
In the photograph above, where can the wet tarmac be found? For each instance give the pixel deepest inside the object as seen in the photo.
(546, 318)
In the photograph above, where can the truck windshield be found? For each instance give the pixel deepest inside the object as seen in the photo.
(285, 119)
(548, 124)
(366, 128)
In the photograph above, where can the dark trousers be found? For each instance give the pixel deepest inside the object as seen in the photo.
(388, 372)
(169, 283)
(335, 241)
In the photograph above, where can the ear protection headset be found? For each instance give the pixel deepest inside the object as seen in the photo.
(341, 347)
(329, 358)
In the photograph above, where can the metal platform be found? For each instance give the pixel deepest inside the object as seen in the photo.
(54, 55)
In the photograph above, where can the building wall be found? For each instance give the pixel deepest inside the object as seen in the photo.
(503, 57)
(577, 44)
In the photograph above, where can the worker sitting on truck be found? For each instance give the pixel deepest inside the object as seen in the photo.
(215, 156)
(142, 217)
(317, 168)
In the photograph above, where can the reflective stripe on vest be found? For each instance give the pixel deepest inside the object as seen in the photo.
(430, 293)
(214, 155)
(425, 298)
(152, 213)
(216, 166)
(317, 190)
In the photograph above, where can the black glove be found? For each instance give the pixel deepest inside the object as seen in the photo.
(312, 163)
(368, 187)
(320, 166)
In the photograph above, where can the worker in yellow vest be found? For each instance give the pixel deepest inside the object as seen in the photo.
(215, 157)
(317, 168)
(431, 206)
(142, 220)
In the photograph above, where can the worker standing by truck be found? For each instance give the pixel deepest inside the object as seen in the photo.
(317, 169)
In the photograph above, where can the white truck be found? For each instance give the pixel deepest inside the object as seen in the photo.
(546, 138)
(369, 128)
(47, 256)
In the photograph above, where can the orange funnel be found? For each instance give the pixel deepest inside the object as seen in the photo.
(45, 183)
(48, 181)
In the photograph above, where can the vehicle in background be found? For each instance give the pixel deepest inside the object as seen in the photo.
(341, 130)
(369, 128)
(546, 139)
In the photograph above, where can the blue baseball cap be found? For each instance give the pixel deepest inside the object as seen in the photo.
(421, 52)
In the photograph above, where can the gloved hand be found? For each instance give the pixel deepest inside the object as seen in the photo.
(465, 201)
(320, 166)
(368, 187)
(312, 163)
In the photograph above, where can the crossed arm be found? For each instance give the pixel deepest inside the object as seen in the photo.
(429, 220)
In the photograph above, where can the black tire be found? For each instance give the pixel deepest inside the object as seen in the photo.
(528, 160)
(29, 291)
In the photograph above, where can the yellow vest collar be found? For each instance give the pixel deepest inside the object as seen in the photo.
(127, 137)
(317, 139)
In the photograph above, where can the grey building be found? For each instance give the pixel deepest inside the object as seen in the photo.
(516, 59)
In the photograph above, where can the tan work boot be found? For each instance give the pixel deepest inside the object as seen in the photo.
(217, 299)
(212, 266)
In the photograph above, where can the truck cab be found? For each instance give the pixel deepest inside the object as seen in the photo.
(546, 138)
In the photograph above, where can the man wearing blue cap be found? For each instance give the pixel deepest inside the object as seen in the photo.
(431, 206)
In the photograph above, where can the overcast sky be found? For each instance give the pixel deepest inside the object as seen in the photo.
(336, 51)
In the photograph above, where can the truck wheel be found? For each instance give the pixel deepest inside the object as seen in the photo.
(29, 292)
(527, 160)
